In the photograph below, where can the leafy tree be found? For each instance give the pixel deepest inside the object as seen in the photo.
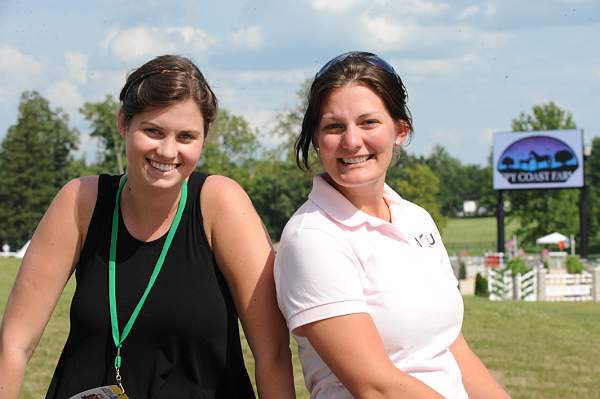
(277, 188)
(543, 211)
(418, 184)
(481, 286)
(288, 124)
(517, 266)
(544, 117)
(593, 183)
(110, 157)
(230, 142)
(574, 265)
(563, 156)
(458, 182)
(447, 169)
(35, 161)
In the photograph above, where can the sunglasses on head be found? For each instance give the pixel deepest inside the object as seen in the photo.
(363, 55)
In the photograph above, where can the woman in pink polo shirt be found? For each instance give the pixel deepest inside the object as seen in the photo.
(362, 276)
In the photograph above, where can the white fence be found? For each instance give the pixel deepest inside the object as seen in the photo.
(503, 285)
(569, 287)
(538, 285)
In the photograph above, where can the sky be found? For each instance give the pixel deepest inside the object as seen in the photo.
(470, 67)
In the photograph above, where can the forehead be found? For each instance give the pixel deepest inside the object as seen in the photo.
(353, 97)
(181, 113)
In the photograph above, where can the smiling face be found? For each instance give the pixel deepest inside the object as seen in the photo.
(163, 145)
(356, 137)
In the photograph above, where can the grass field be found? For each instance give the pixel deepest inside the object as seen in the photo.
(536, 350)
(476, 235)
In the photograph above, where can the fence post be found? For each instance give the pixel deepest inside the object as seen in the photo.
(596, 284)
(516, 286)
(541, 283)
(490, 283)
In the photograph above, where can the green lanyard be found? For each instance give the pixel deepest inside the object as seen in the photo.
(112, 297)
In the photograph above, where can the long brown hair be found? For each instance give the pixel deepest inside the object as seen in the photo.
(164, 81)
(362, 68)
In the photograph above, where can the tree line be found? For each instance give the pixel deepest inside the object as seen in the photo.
(37, 157)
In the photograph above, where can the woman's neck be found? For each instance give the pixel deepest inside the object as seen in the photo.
(368, 198)
(148, 213)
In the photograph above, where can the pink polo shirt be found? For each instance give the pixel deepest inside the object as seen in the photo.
(334, 259)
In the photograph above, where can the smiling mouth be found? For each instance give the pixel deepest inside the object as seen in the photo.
(355, 160)
(163, 167)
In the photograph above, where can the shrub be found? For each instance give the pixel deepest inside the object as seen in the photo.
(517, 266)
(574, 265)
(481, 286)
(462, 271)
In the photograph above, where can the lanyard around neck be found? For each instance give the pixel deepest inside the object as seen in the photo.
(112, 298)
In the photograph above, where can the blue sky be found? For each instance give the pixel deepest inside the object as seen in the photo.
(469, 66)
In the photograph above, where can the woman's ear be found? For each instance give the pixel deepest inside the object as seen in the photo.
(315, 143)
(121, 124)
(402, 129)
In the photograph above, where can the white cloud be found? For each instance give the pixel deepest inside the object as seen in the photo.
(251, 37)
(273, 75)
(470, 11)
(437, 66)
(335, 6)
(384, 34)
(261, 119)
(487, 135)
(12, 61)
(572, 2)
(421, 7)
(143, 42)
(76, 66)
(490, 10)
(65, 95)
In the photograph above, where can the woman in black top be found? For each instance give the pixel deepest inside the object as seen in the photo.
(165, 260)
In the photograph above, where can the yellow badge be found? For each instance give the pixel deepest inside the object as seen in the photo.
(107, 392)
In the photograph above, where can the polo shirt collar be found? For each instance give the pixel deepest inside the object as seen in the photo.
(341, 210)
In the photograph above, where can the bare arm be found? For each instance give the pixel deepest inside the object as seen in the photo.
(245, 256)
(352, 348)
(46, 267)
(478, 381)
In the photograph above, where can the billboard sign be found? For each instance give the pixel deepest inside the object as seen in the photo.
(539, 159)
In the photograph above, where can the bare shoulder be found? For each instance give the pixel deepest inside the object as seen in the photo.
(222, 193)
(81, 193)
(226, 209)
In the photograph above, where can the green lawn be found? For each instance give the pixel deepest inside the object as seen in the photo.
(476, 235)
(536, 350)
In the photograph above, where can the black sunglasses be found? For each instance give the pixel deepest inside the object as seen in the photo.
(370, 58)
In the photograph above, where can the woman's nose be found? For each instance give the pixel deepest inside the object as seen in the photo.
(167, 147)
(352, 137)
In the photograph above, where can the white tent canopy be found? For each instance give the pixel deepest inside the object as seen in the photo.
(553, 238)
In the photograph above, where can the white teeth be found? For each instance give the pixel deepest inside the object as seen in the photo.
(163, 167)
(355, 160)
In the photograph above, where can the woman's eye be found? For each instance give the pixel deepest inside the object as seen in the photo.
(152, 131)
(370, 122)
(333, 126)
(186, 136)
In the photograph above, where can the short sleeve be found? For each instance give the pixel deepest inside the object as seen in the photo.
(317, 277)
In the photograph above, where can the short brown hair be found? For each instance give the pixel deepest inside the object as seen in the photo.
(164, 81)
(346, 69)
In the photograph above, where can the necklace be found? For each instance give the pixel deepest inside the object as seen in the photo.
(118, 338)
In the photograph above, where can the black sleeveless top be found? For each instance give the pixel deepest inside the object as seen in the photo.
(185, 342)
